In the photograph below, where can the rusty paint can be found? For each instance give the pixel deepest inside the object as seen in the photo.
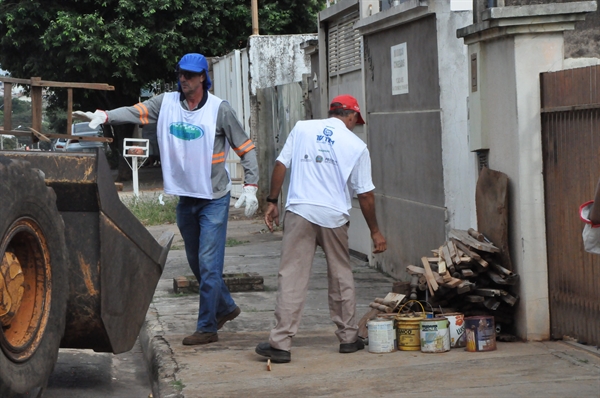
(435, 335)
(480, 333)
(382, 335)
(407, 332)
(457, 329)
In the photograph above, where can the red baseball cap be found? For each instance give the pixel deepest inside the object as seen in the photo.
(348, 102)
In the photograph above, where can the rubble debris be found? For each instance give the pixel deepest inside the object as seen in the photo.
(465, 275)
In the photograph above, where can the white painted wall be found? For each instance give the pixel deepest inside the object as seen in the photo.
(277, 60)
(508, 102)
(460, 165)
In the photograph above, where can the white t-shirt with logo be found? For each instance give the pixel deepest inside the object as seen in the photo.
(328, 165)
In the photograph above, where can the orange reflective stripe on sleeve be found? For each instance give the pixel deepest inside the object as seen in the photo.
(244, 148)
(143, 110)
(218, 158)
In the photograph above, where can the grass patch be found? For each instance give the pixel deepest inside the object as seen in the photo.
(177, 247)
(177, 385)
(234, 242)
(149, 211)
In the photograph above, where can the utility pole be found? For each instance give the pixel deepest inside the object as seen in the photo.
(254, 17)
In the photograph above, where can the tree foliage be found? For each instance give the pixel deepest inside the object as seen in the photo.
(130, 43)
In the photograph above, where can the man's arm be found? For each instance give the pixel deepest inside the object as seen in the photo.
(367, 206)
(141, 113)
(239, 142)
(272, 212)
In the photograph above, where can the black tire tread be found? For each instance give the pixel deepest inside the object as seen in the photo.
(23, 192)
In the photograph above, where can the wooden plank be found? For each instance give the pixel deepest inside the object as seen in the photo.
(454, 252)
(69, 110)
(453, 282)
(466, 249)
(7, 106)
(36, 106)
(446, 255)
(468, 240)
(438, 278)
(431, 283)
(414, 270)
(491, 199)
(38, 82)
(442, 270)
(476, 234)
(381, 307)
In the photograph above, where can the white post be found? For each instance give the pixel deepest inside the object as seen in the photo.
(1, 141)
(136, 191)
(135, 148)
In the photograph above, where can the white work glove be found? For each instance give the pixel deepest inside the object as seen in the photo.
(97, 118)
(248, 197)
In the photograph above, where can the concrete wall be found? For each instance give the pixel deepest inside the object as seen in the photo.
(267, 62)
(277, 60)
(513, 46)
(422, 168)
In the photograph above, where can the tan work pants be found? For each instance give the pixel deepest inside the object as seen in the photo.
(300, 240)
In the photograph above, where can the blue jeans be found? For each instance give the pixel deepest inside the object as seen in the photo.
(203, 227)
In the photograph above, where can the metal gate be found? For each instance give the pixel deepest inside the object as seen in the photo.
(571, 149)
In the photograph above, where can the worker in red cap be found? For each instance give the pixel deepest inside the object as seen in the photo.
(195, 130)
(329, 164)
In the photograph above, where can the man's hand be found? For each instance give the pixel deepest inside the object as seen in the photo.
(272, 214)
(379, 243)
(248, 197)
(96, 118)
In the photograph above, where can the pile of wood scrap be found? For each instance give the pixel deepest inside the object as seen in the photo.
(465, 275)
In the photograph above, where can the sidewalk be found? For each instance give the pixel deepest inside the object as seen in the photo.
(231, 368)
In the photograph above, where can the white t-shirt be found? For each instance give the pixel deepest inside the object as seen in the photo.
(328, 164)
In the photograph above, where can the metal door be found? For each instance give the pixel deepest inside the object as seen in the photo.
(571, 150)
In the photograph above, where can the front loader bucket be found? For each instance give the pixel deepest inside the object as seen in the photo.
(115, 262)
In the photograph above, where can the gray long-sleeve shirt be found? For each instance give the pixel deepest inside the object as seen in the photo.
(228, 129)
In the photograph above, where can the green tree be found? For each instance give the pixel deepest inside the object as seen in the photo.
(129, 43)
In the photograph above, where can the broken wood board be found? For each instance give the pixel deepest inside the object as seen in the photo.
(491, 201)
(468, 240)
(431, 282)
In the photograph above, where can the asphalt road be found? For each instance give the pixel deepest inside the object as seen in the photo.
(85, 373)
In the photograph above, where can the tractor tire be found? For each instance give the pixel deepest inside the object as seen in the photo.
(33, 280)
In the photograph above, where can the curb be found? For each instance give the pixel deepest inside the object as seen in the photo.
(159, 358)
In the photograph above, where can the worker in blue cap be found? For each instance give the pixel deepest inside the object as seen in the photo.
(195, 130)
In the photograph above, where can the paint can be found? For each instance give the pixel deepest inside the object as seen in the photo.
(435, 335)
(424, 315)
(480, 333)
(382, 335)
(407, 332)
(457, 329)
(391, 317)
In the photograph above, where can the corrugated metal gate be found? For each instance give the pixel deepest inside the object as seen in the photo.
(571, 150)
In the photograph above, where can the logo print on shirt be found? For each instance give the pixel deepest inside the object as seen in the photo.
(185, 131)
(326, 137)
(319, 159)
(306, 158)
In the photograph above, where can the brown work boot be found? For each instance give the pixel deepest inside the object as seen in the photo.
(229, 317)
(200, 338)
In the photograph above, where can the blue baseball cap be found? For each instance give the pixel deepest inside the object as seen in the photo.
(194, 62)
